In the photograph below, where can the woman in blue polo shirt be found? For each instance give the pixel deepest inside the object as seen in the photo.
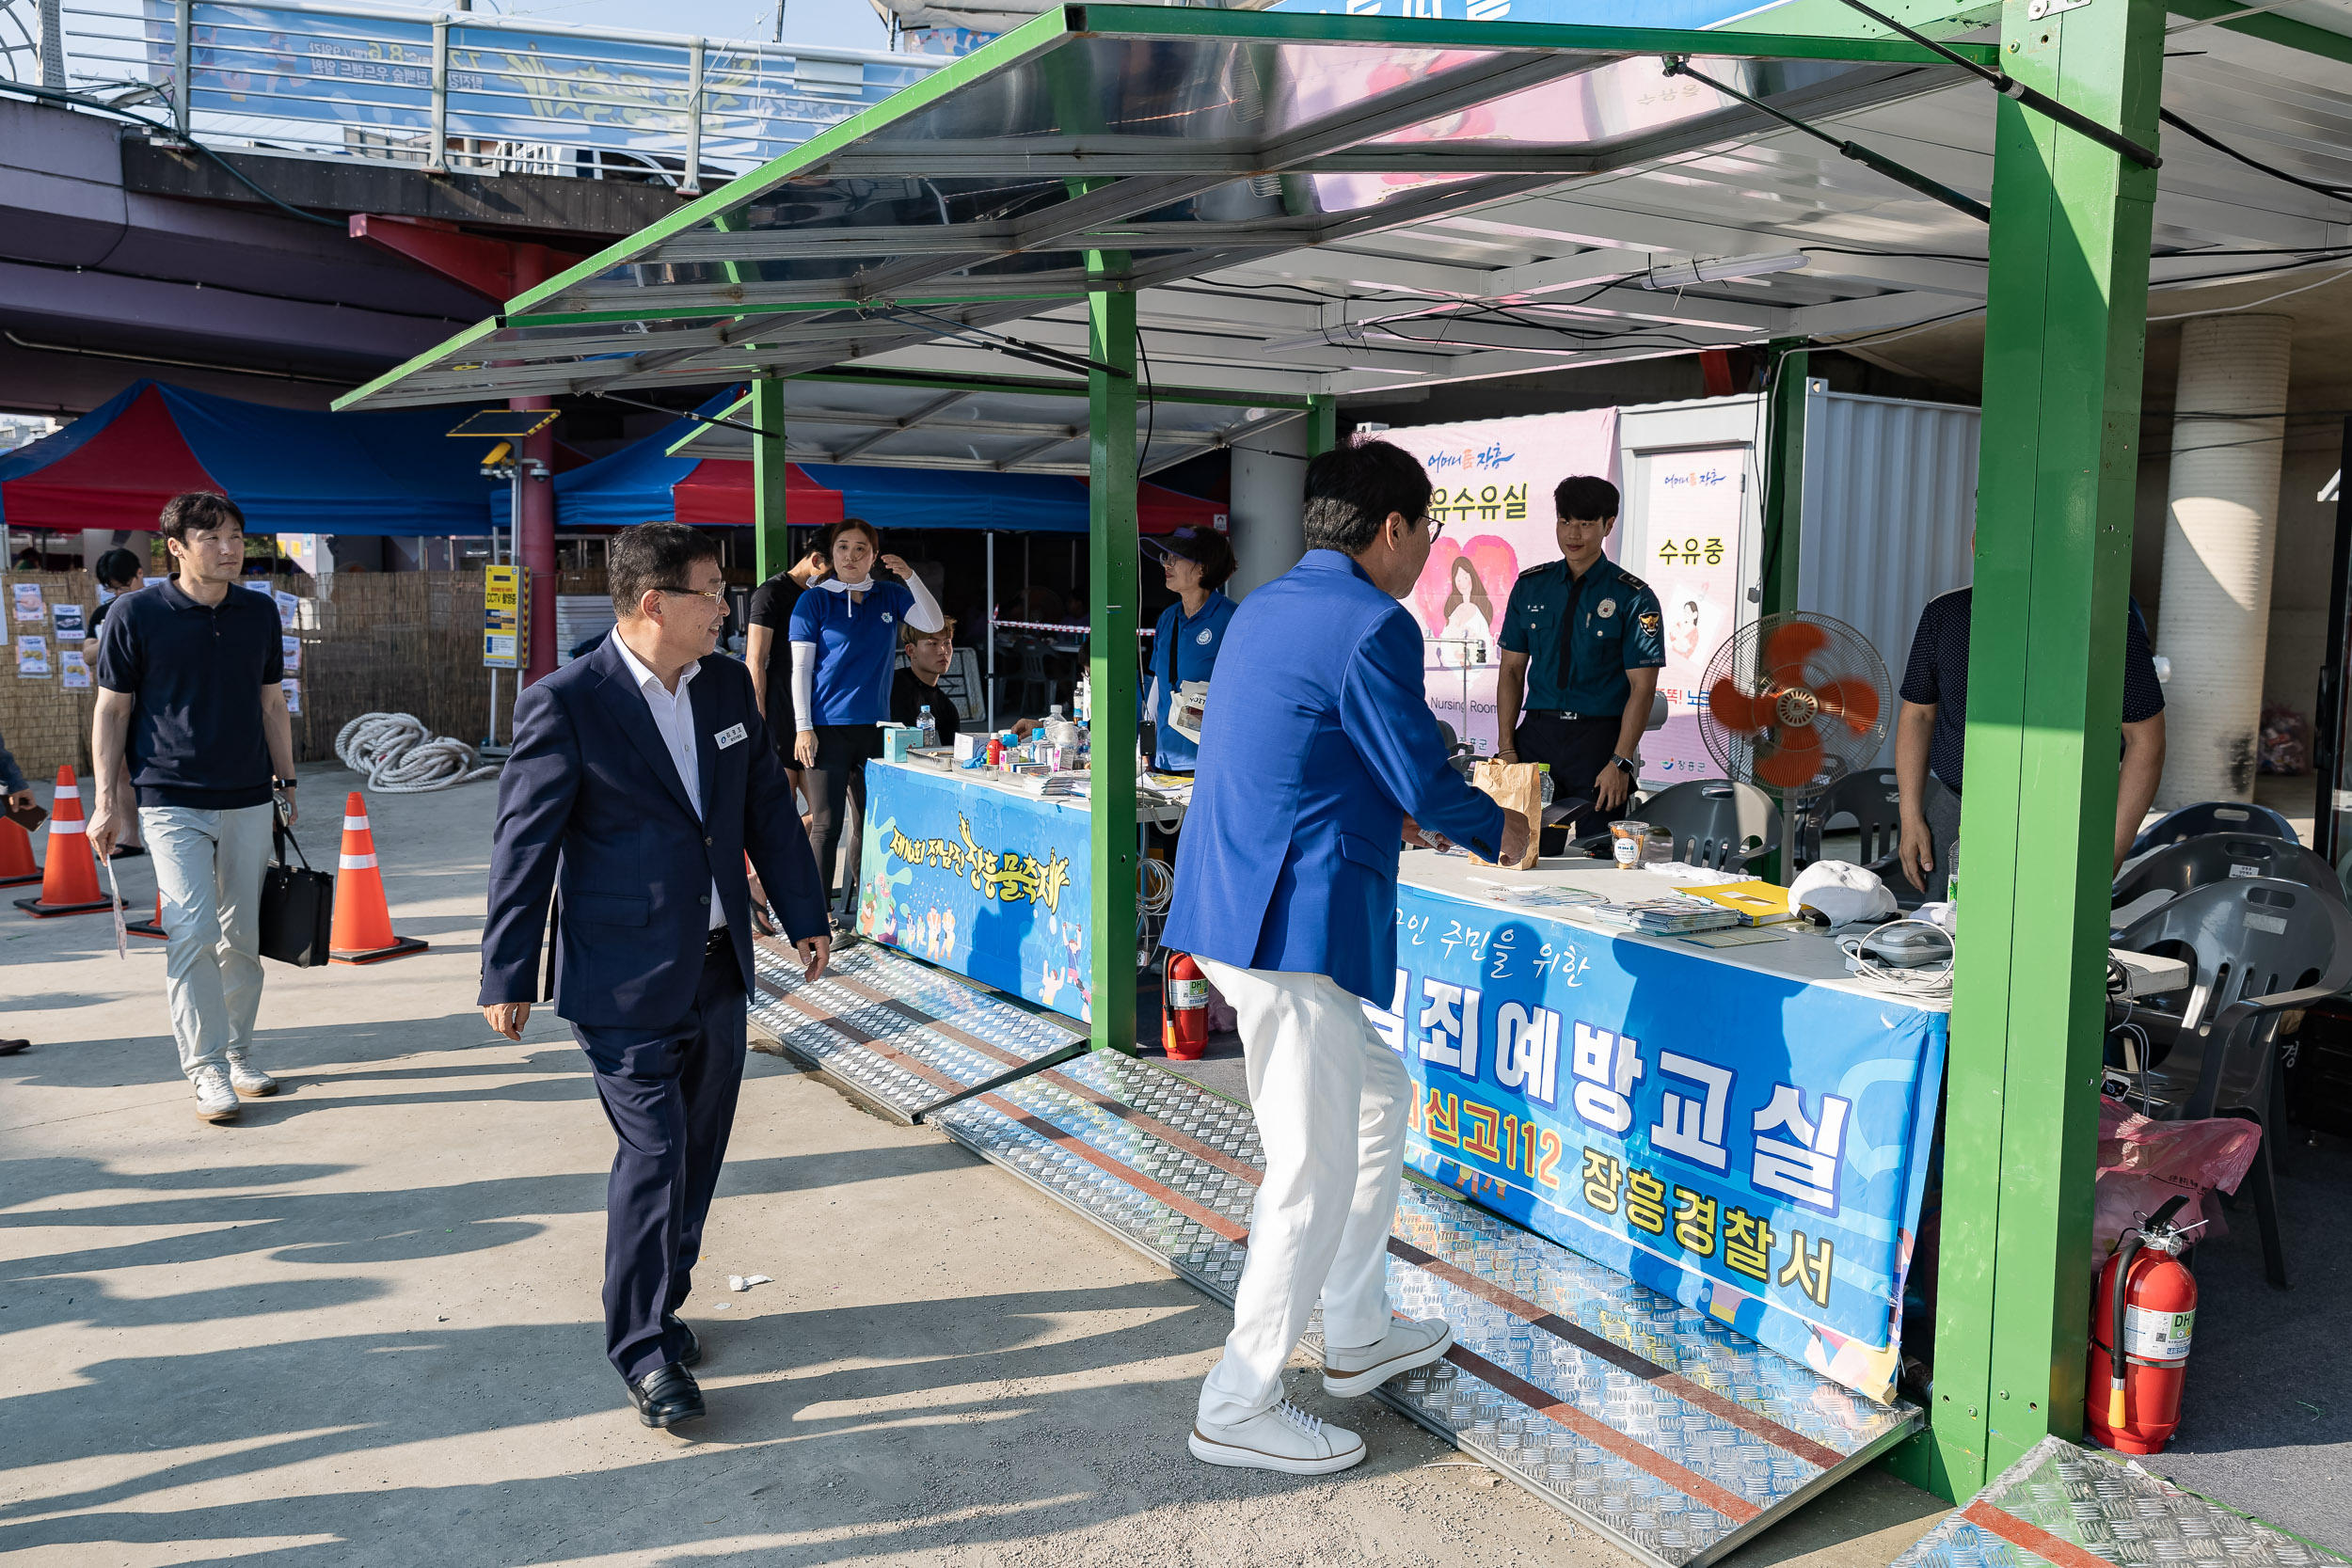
(845, 642)
(1183, 645)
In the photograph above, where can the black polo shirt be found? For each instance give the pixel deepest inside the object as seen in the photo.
(197, 672)
(1938, 674)
(771, 607)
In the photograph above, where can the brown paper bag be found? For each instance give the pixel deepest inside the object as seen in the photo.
(1516, 786)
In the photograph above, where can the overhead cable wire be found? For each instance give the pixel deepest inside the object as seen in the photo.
(2339, 192)
(1902, 174)
(2032, 98)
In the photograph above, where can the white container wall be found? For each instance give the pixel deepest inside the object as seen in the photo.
(1889, 506)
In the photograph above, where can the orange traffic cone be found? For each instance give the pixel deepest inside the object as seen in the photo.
(17, 866)
(362, 932)
(69, 883)
(150, 928)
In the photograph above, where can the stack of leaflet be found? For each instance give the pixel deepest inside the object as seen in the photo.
(1755, 903)
(1668, 914)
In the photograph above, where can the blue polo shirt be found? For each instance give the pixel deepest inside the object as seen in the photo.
(1581, 635)
(196, 671)
(857, 647)
(1183, 648)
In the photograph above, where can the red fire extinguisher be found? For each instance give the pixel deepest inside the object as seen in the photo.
(2146, 1303)
(1183, 1008)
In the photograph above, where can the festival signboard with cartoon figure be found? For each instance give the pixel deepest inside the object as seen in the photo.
(989, 883)
(1491, 483)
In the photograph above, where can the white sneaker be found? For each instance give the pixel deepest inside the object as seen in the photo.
(1406, 1345)
(215, 1101)
(1284, 1438)
(248, 1080)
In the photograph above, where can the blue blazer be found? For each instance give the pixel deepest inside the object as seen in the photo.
(1316, 742)
(591, 809)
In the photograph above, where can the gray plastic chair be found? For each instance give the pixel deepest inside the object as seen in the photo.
(1873, 798)
(2218, 858)
(1715, 822)
(2214, 816)
(2258, 946)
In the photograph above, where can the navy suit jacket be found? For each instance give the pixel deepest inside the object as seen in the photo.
(590, 808)
(1315, 743)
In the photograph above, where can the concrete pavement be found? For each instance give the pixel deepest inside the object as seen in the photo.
(361, 1325)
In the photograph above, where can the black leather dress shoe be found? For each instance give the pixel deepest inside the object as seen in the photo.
(666, 1396)
(690, 1350)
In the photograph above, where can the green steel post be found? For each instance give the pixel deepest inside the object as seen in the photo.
(1111, 593)
(2064, 339)
(767, 476)
(1784, 473)
(1322, 423)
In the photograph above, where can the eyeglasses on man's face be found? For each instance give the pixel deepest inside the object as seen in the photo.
(714, 595)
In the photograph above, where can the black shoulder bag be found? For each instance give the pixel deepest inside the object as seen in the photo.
(298, 904)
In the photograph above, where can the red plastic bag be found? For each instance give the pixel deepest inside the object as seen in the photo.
(2143, 1163)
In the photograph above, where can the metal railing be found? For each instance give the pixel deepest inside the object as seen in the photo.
(461, 90)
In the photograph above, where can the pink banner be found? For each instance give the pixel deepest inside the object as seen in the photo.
(1493, 480)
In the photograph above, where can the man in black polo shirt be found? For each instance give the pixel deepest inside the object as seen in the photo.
(1932, 733)
(767, 651)
(188, 675)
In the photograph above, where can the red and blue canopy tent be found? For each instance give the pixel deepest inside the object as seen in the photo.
(646, 481)
(291, 471)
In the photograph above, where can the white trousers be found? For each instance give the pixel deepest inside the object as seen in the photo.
(208, 867)
(1330, 1100)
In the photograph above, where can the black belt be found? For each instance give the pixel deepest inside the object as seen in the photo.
(722, 941)
(1560, 713)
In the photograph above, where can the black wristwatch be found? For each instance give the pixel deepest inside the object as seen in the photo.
(1626, 763)
(284, 784)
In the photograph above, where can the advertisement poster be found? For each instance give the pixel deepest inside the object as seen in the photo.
(68, 623)
(1689, 549)
(30, 605)
(992, 884)
(293, 689)
(32, 659)
(290, 653)
(73, 671)
(1753, 1145)
(289, 608)
(501, 617)
(1492, 482)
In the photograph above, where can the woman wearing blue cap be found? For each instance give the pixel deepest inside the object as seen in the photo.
(1184, 643)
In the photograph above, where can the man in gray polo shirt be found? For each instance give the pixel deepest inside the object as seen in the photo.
(188, 675)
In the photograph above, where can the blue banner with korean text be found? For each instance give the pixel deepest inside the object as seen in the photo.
(1754, 1145)
(990, 883)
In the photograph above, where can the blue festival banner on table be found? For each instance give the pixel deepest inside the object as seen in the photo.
(992, 884)
(1754, 1145)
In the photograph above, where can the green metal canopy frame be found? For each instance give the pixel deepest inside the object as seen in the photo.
(1100, 150)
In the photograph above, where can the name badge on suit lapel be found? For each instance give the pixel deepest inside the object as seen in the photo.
(728, 736)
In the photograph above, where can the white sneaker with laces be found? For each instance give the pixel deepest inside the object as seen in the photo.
(215, 1101)
(1406, 1345)
(248, 1080)
(1284, 1438)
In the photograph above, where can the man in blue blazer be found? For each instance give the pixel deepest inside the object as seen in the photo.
(1319, 758)
(639, 777)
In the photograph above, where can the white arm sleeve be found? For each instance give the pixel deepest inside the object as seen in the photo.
(926, 615)
(804, 685)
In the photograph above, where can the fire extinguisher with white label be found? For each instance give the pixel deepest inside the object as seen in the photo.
(2146, 1303)
(1183, 1008)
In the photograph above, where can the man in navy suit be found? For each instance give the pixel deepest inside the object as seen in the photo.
(639, 777)
(1319, 757)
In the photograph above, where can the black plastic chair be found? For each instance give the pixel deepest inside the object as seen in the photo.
(2214, 816)
(2256, 947)
(1873, 798)
(1716, 823)
(2218, 858)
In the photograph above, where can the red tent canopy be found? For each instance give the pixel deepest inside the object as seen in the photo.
(718, 492)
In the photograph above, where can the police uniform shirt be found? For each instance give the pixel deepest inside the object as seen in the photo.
(1580, 635)
(1938, 674)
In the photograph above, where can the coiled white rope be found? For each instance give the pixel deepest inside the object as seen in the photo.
(400, 756)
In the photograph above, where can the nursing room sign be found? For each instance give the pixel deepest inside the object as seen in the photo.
(1689, 553)
(1491, 483)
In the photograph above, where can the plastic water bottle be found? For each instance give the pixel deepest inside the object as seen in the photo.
(927, 726)
(1951, 883)
(1543, 781)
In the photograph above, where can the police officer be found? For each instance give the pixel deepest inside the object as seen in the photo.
(1582, 642)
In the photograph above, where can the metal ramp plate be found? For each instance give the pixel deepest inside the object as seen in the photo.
(895, 1035)
(2063, 1506)
(1664, 1431)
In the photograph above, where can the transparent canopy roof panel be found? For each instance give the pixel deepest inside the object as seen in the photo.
(1122, 147)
